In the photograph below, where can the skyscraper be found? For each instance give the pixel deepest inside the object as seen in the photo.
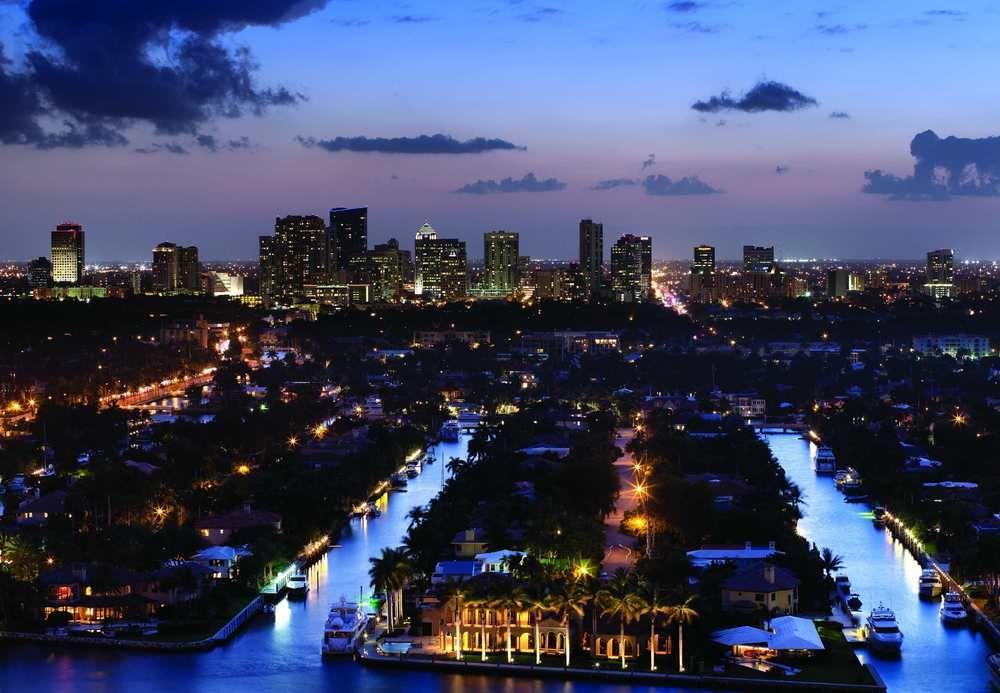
(500, 252)
(838, 283)
(702, 284)
(441, 270)
(67, 253)
(940, 273)
(39, 273)
(176, 268)
(297, 254)
(188, 269)
(592, 253)
(385, 268)
(631, 268)
(758, 258)
(348, 236)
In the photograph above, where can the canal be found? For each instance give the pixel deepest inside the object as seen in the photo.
(278, 655)
(934, 658)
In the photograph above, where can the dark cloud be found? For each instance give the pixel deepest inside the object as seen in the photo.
(511, 185)
(664, 186)
(953, 166)
(212, 144)
(413, 19)
(650, 161)
(780, 170)
(422, 144)
(540, 14)
(165, 147)
(697, 27)
(764, 96)
(101, 66)
(612, 183)
(839, 29)
(684, 6)
(840, 115)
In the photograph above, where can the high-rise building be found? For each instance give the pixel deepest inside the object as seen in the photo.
(441, 268)
(758, 258)
(67, 253)
(940, 273)
(631, 268)
(39, 273)
(223, 284)
(384, 271)
(297, 254)
(188, 269)
(348, 236)
(592, 253)
(176, 269)
(837, 283)
(702, 284)
(500, 253)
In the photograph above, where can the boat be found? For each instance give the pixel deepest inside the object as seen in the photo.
(825, 462)
(842, 584)
(412, 470)
(878, 516)
(451, 431)
(882, 631)
(850, 481)
(297, 586)
(345, 628)
(397, 480)
(930, 585)
(373, 512)
(856, 497)
(953, 609)
(993, 662)
(854, 601)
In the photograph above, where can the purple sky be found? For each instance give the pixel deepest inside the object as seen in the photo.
(590, 92)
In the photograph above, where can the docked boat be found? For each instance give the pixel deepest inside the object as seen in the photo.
(842, 584)
(412, 470)
(345, 628)
(373, 512)
(397, 480)
(930, 586)
(854, 602)
(878, 516)
(825, 462)
(883, 634)
(953, 609)
(451, 431)
(850, 482)
(297, 586)
(993, 662)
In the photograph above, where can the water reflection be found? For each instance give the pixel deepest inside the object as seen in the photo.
(882, 570)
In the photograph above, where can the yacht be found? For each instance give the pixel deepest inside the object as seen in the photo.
(931, 586)
(451, 431)
(297, 586)
(825, 462)
(878, 516)
(993, 662)
(345, 628)
(397, 480)
(412, 470)
(883, 634)
(953, 609)
(851, 481)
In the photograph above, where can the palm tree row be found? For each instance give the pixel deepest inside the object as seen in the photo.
(390, 573)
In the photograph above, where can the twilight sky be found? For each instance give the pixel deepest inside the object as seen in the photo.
(722, 121)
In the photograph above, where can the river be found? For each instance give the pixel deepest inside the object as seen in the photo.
(881, 570)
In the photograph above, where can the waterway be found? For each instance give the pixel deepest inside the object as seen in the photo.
(278, 655)
(934, 658)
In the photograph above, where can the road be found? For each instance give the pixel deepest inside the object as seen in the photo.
(619, 549)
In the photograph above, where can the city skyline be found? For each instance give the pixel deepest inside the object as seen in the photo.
(765, 137)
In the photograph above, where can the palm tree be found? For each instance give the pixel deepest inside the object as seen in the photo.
(379, 573)
(391, 572)
(653, 605)
(509, 599)
(619, 598)
(591, 590)
(567, 599)
(536, 601)
(682, 614)
(831, 562)
(455, 592)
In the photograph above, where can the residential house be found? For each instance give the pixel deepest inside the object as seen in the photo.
(784, 636)
(742, 556)
(218, 529)
(38, 511)
(764, 587)
(469, 542)
(92, 592)
(221, 560)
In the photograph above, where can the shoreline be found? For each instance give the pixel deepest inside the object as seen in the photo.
(617, 676)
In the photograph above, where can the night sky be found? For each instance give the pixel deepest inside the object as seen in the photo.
(829, 129)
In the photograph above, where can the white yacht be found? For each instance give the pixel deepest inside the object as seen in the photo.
(883, 634)
(953, 609)
(930, 586)
(345, 628)
(451, 431)
(297, 586)
(825, 462)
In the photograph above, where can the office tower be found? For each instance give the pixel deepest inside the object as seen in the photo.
(39, 273)
(165, 268)
(592, 253)
(631, 268)
(348, 236)
(188, 269)
(500, 253)
(383, 271)
(940, 273)
(297, 254)
(837, 283)
(67, 253)
(758, 258)
(701, 282)
(441, 270)
(223, 284)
